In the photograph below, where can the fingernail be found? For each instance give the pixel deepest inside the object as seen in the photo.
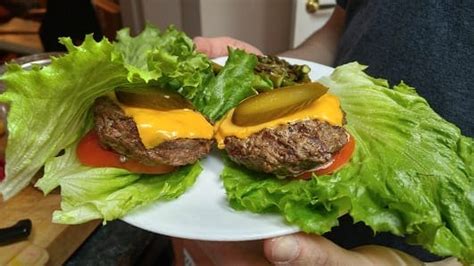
(285, 249)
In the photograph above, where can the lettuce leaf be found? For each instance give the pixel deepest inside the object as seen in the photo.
(233, 84)
(49, 106)
(108, 193)
(412, 172)
(167, 59)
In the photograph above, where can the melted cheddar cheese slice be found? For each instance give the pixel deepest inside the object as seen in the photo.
(155, 127)
(326, 108)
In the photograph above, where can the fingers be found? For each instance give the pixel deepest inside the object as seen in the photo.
(232, 253)
(303, 249)
(388, 256)
(215, 47)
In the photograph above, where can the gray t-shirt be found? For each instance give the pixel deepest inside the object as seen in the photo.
(428, 44)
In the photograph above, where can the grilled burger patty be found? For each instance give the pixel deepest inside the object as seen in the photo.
(119, 132)
(288, 150)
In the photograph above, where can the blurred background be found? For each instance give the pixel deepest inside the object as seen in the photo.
(33, 26)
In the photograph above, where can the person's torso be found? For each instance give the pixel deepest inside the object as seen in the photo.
(428, 44)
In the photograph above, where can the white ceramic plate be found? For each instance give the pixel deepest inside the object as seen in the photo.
(202, 213)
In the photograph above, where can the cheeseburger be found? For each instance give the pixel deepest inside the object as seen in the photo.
(289, 132)
(145, 130)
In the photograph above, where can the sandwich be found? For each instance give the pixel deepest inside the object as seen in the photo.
(288, 132)
(146, 130)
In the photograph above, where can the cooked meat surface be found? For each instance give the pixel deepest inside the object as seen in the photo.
(288, 150)
(119, 132)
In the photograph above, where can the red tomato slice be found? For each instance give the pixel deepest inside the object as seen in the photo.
(340, 159)
(90, 153)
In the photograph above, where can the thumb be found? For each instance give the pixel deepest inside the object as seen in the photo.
(304, 249)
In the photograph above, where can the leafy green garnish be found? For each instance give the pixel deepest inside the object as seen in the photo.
(167, 59)
(108, 193)
(274, 72)
(49, 106)
(229, 88)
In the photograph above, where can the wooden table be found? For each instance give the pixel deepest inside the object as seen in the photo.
(48, 243)
(23, 37)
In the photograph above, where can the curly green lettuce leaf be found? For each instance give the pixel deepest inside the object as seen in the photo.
(295, 200)
(168, 59)
(412, 172)
(48, 106)
(233, 84)
(108, 193)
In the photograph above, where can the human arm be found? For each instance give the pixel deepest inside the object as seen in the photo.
(320, 47)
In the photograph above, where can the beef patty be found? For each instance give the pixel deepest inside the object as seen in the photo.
(288, 150)
(119, 132)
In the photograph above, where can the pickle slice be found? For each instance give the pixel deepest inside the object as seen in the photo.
(276, 103)
(152, 98)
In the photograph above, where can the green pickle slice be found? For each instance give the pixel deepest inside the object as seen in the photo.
(276, 103)
(152, 98)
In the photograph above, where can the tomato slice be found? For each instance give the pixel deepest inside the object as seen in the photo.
(340, 159)
(90, 153)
